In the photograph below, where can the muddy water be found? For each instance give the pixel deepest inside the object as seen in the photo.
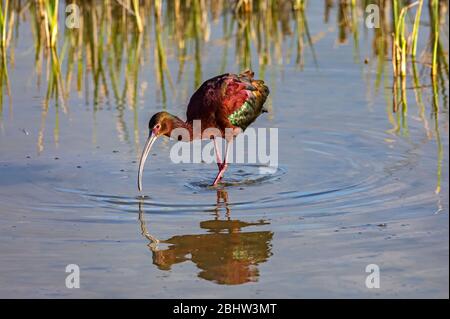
(349, 190)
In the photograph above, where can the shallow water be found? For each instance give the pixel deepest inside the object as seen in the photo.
(350, 190)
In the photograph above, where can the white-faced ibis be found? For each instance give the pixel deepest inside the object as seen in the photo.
(227, 102)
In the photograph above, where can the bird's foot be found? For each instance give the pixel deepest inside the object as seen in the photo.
(222, 169)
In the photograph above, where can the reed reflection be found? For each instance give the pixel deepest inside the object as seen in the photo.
(227, 254)
(106, 57)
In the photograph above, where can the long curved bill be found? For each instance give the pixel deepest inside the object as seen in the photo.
(148, 145)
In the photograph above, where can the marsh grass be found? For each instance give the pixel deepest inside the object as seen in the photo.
(4, 82)
(5, 30)
(259, 28)
(103, 57)
(4, 7)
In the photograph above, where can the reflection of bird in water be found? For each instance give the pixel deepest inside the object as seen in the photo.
(225, 255)
(226, 102)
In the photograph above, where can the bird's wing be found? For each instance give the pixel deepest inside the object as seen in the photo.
(229, 100)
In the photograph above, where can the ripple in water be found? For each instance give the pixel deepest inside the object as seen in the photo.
(237, 175)
(336, 174)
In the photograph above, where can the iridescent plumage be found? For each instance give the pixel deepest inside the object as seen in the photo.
(223, 102)
(228, 100)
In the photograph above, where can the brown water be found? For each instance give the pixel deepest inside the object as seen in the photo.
(356, 184)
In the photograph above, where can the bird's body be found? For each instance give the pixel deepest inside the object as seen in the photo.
(225, 102)
(228, 101)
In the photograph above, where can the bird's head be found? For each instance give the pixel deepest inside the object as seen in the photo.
(160, 124)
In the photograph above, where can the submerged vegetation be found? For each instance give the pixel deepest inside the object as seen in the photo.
(114, 38)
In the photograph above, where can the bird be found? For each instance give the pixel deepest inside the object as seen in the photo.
(227, 102)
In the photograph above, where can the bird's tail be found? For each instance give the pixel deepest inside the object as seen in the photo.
(261, 93)
(259, 89)
(248, 73)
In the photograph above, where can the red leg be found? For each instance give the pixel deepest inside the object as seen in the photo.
(223, 167)
(218, 155)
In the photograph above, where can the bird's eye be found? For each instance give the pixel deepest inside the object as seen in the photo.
(158, 126)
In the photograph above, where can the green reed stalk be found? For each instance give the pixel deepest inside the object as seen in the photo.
(138, 15)
(159, 52)
(52, 19)
(395, 12)
(400, 33)
(197, 41)
(227, 32)
(3, 22)
(415, 32)
(435, 15)
(4, 77)
(354, 27)
(419, 99)
(300, 35)
(4, 80)
(399, 49)
(308, 37)
(435, 102)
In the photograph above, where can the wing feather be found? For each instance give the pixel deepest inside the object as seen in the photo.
(229, 100)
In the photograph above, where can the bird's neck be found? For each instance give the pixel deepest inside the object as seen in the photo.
(178, 123)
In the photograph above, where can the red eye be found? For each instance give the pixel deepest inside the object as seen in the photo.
(157, 126)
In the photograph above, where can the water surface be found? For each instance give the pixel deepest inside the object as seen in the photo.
(356, 183)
